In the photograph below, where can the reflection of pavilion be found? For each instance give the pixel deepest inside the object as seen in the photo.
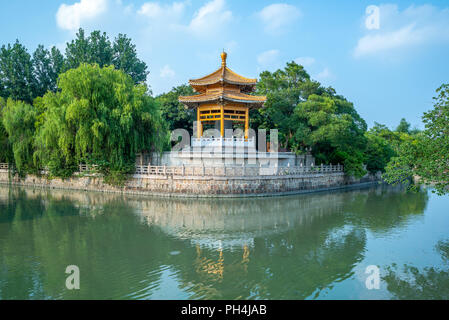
(224, 232)
(232, 223)
(238, 242)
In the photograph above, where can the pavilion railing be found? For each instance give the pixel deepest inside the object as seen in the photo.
(218, 171)
(219, 141)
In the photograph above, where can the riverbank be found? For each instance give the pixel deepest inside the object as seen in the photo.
(201, 186)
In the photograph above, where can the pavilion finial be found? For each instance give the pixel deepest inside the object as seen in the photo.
(224, 55)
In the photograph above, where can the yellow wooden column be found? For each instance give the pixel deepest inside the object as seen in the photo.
(199, 125)
(246, 123)
(222, 121)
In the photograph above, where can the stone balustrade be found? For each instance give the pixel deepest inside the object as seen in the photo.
(217, 171)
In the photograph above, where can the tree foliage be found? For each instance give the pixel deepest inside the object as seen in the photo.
(124, 57)
(309, 115)
(175, 113)
(97, 48)
(47, 65)
(18, 121)
(99, 117)
(378, 152)
(16, 73)
(284, 90)
(25, 77)
(426, 156)
(403, 126)
(5, 147)
(334, 130)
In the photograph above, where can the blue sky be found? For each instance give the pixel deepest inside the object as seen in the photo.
(388, 73)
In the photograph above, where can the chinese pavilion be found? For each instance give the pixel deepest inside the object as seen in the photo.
(223, 99)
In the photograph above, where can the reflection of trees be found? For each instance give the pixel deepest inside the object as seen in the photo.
(413, 284)
(384, 208)
(275, 268)
(299, 245)
(270, 248)
(13, 285)
(206, 222)
(115, 252)
(304, 244)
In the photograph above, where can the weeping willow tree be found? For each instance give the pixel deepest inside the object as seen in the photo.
(98, 116)
(5, 147)
(17, 133)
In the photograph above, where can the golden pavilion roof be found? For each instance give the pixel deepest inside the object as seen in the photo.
(223, 85)
(224, 74)
(225, 95)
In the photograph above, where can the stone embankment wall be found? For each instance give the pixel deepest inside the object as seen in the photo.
(200, 186)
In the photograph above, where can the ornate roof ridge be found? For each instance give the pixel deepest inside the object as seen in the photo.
(223, 74)
(225, 95)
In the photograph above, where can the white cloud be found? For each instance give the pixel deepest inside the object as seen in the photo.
(167, 72)
(154, 10)
(415, 26)
(326, 74)
(278, 16)
(268, 58)
(405, 36)
(71, 17)
(207, 20)
(210, 18)
(305, 61)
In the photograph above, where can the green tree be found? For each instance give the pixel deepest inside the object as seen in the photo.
(403, 126)
(78, 51)
(333, 128)
(5, 147)
(97, 48)
(309, 115)
(47, 65)
(426, 155)
(100, 49)
(18, 121)
(394, 138)
(284, 90)
(16, 72)
(378, 152)
(125, 59)
(175, 113)
(98, 116)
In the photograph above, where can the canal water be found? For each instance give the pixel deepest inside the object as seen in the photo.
(312, 246)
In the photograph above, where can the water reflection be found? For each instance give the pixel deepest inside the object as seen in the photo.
(134, 247)
(411, 283)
